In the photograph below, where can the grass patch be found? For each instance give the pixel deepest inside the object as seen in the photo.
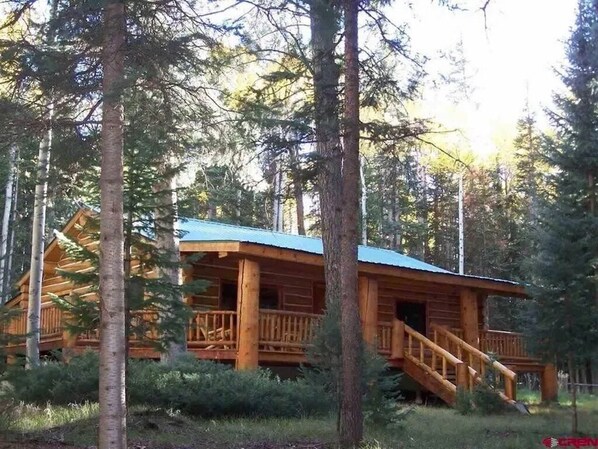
(584, 400)
(427, 427)
(76, 426)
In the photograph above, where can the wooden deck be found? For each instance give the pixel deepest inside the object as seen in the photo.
(440, 362)
(279, 332)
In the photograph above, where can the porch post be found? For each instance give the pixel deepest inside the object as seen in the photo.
(186, 277)
(469, 317)
(397, 344)
(248, 303)
(549, 384)
(69, 340)
(368, 309)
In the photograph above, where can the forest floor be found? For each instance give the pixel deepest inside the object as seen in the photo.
(427, 427)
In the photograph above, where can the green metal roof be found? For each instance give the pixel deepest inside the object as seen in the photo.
(209, 231)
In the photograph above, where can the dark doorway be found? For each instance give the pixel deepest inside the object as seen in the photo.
(319, 298)
(413, 314)
(228, 293)
(269, 296)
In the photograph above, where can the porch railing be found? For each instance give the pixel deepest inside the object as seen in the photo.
(504, 344)
(50, 325)
(215, 329)
(282, 331)
(51, 321)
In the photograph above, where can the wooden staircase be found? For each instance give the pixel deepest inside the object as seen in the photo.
(447, 362)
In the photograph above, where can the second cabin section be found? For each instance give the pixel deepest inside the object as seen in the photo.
(266, 294)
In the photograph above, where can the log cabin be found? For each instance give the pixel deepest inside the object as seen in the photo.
(266, 295)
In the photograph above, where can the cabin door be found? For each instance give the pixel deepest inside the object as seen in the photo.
(413, 314)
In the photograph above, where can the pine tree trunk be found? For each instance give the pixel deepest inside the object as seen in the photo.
(573, 383)
(395, 212)
(167, 243)
(129, 284)
(351, 426)
(36, 270)
(592, 208)
(436, 229)
(324, 28)
(6, 225)
(299, 207)
(112, 429)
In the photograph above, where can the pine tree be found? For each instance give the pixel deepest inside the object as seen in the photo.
(564, 268)
(351, 424)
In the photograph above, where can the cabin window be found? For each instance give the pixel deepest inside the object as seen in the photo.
(269, 298)
(228, 299)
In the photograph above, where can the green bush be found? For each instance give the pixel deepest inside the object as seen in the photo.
(201, 388)
(380, 386)
(56, 382)
(482, 400)
(487, 401)
(464, 401)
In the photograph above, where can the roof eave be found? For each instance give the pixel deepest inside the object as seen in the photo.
(489, 286)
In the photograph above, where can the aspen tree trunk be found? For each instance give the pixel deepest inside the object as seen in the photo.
(36, 269)
(238, 207)
(298, 191)
(167, 242)
(38, 237)
(11, 246)
(112, 429)
(351, 425)
(461, 228)
(277, 213)
(364, 199)
(9, 193)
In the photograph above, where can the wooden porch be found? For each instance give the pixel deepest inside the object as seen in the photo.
(441, 361)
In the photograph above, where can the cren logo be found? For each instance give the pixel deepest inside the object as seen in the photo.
(570, 442)
(550, 442)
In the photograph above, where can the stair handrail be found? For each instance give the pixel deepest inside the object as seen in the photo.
(509, 375)
(437, 351)
(437, 348)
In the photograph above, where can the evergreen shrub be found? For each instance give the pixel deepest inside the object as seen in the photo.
(482, 400)
(201, 388)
